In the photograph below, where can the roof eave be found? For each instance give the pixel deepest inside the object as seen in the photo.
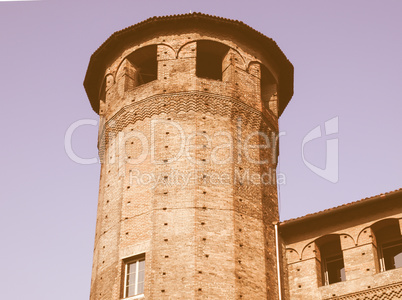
(358, 205)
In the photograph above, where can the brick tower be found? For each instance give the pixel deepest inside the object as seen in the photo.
(189, 108)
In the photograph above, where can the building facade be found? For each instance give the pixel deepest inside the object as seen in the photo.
(189, 107)
(349, 252)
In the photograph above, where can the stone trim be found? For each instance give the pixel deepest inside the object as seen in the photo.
(134, 250)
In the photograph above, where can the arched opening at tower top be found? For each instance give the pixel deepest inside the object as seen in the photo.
(144, 61)
(210, 55)
(268, 90)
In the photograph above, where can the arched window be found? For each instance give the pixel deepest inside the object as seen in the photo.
(268, 90)
(332, 265)
(102, 93)
(389, 244)
(210, 55)
(145, 64)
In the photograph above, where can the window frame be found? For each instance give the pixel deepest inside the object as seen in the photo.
(126, 263)
(387, 232)
(331, 259)
(388, 244)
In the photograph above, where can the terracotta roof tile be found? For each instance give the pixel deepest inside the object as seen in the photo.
(180, 16)
(337, 208)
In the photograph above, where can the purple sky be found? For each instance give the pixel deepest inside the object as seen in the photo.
(348, 64)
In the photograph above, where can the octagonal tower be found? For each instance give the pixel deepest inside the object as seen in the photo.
(189, 108)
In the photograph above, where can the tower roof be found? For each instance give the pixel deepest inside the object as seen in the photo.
(237, 29)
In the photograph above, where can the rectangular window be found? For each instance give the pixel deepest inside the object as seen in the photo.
(335, 270)
(134, 276)
(392, 255)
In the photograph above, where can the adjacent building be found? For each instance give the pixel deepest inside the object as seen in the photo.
(353, 251)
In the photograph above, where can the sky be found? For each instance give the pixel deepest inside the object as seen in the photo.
(347, 57)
